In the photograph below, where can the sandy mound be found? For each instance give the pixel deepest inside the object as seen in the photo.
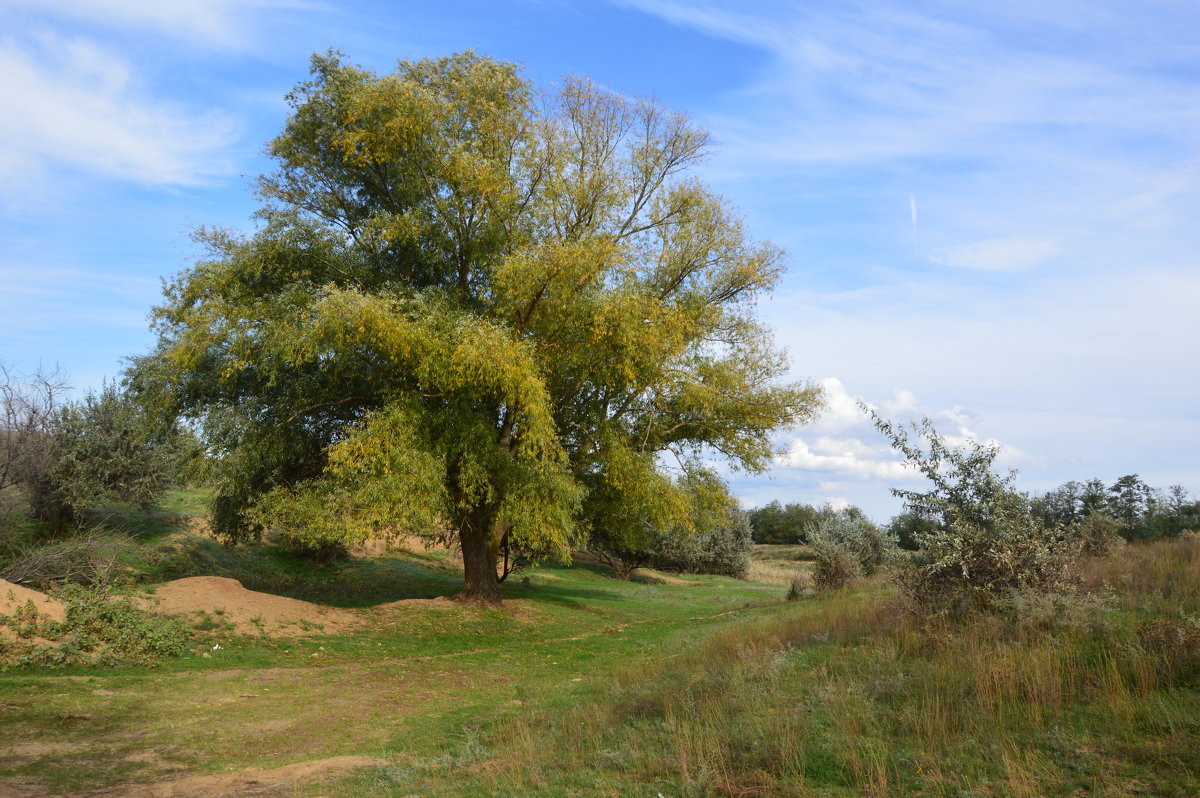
(13, 597)
(226, 601)
(647, 576)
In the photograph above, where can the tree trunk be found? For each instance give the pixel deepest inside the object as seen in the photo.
(480, 550)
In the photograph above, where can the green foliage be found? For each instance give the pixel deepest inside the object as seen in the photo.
(472, 307)
(868, 546)
(835, 568)
(1098, 534)
(908, 527)
(988, 543)
(778, 523)
(101, 626)
(106, 449)
(702, 529)
(1141, 512)
(724, 549)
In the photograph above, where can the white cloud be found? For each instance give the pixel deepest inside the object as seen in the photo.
(999, 254)
(220, 23)
(836, 502)
(72, 103)
(843, 444)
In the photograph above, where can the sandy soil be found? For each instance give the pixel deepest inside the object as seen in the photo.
(647, 576)
(251, 612)
(13, 597)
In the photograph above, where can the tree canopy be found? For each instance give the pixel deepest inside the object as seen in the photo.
(473, 306)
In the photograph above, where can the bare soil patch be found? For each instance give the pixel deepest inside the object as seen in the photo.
(648, 576)
(244, 784)
(14, 597)
(249, 611)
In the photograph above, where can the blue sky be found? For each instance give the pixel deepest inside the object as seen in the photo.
(989, 208)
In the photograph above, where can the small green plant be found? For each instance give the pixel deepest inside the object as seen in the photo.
(101, 627)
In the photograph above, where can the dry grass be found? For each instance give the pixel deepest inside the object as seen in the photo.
(852, 695)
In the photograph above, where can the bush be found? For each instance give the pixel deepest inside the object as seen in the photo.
(107, 449)
(704, 532)
(987, 543)
(835, 569)
(723, 550)
(870, 547)
(802, 586)
(1099, 534)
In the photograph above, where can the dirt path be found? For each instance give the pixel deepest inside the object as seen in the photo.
(243, 784)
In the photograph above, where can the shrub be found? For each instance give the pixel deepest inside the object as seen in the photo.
(705, 532)
(802, 586)
(869, 546)
(1099, 534)
(724, 549)
(107, 448)
(835, 569)
(987, 543)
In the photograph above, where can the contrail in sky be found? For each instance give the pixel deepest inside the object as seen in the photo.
(912, 206)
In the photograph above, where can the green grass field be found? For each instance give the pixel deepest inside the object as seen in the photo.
(583, 685)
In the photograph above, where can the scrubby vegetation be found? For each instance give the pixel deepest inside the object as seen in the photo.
(846, 695)
(102, 626)
(847, 545)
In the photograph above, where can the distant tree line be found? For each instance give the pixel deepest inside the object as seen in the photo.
(794, 523)
(1137, 511)
(1140, 511)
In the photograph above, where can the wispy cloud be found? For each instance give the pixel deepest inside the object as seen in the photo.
(1016, 254)
(1016, 122)
(71, 103)
(218, 23)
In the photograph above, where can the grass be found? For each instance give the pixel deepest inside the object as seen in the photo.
(584, 685)
(778, 564)
(847, 696)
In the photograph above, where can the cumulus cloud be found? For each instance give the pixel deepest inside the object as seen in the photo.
(844, 445)
(69, 102)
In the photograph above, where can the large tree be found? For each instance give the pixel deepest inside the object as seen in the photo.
(476, 307)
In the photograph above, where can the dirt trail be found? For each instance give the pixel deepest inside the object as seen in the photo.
(243, 784)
